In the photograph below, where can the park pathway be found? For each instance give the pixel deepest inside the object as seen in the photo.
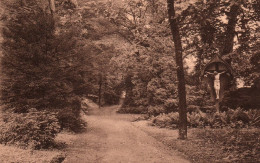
(113, 138)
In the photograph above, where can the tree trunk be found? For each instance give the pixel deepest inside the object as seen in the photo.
(128, 86)
(100, 90)
(48, 6)
(180, 72)
(52, 6)
(230, 31)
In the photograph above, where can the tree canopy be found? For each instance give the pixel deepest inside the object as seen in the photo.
(55, 52)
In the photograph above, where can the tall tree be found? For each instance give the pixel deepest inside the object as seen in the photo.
(40, 67)
(180, 72)
(145, 59)
(230, 33)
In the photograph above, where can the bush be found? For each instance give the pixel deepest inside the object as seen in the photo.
(166, 120)
(41, 69)
(254, 116)
(171, 105)
(244, 143)
(133, 110)
(156, 110)
(232, 118)
(71, 120)
(192, 108)
(35, 129)
(194, 119)
(246, 98)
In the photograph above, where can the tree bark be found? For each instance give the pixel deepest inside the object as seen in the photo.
(230, 31)
(48, 6)
(180, 72)
(100, 90)
(52, 6)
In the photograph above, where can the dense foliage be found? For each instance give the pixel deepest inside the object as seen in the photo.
(41, 69)
(228, 28)
(38, 65)
(148, 70)
(35, 129)
(237, 118)
(236, 145)
(50, 61)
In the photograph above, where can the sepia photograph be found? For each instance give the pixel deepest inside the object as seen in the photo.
(129, 81)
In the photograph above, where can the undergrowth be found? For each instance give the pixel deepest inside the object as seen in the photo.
(231, 118)
(239, 145)
(230, 136)
(34, 130)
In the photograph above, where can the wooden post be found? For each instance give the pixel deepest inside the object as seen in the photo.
(217, 105)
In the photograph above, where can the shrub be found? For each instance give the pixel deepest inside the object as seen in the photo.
(133, 110)
(166, 120)
(156, 110)
(220, 119)
(174, 117)
(35, 129)
(246, 98)
(41, 68)
(171, 105)
(71, 120)
(254, 116)
(192, 108)
(194, 119)
(244, 143)
(232, 118)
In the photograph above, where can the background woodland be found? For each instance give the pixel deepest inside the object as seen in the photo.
(56, 53)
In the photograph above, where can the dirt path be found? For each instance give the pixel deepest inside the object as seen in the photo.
(113, 138)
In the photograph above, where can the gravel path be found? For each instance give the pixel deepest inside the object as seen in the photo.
(113, 138)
